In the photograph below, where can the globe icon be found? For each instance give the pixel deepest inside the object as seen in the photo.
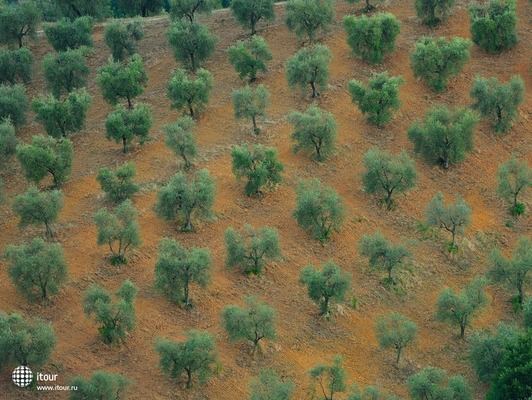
(22, 376)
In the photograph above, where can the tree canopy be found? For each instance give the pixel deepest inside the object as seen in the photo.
(249, 12)
(309, 66)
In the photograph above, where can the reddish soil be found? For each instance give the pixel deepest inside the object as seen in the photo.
(303, 338)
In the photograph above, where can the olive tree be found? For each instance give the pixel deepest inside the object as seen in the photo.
(395, 331)
(187, 9)
(115, 318)
(432, 383)
(252, 248)
(433, 12)
(122, 125)
(65, 71)
(372, 38)
(37, 269)
(183, 198)
(62, 116)
(249, 12)
(451, 217)
(122, 38)
(196, 355)
(187, 93)
(8, 141)
(101, 385)
(319, 209)
(250, 103)
(46, 155)
(118, 80)
(70, 34)
(192, 44)
(446, 136)
(13, 104)
(177, 268)
(498, 101)
(16, 66)
(253, 323)
(142, 8)
(379, 99)
(308, 17)
(17, 21)
(493, 25)
(259, 164)
(98, 9)
(38, 208)
(330, 379)
(119, 230)
(513, 272)
(181, 140)
(314, 131)
(118, 184)
(437, 60)
(383, 254)
(25, 341)
(369, 393)
(459, 309)
(514, 177)
(367, 7)
(527, 313)
(268, 386)
(249, 57)
(309, 66)
(326, 285)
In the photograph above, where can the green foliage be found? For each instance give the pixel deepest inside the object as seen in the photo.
(16, 66)
(386, 173)
(498, 101)
(253, 323)
(49, 10)
(329, 378)
(459, 309)
(369, 393)
(433, 12)
(25, 341)
(259, 164)
(513, 377)
(452, 217)
(269, 386)
(196, 355)
(190, 94)
(8, 140)
(37, 269)
(180, 9)
(395, 331)
(116, 318)
(513, 272)
(46, 155)
(62, 116)
(182, 198)
(372, 38)
(314, 131)
(319, 209)
(119, 228)
(143, 8)
(65, 71)
(38, 208)
(250, 57)
(493, 25)
(123, 125)
(13, 104)
(431, 383)
(325, 285)
(122, 81)
(118, 184)
(121, 38)
(181, 140)
(177, 268)
(379, 99)
(487, 350)
(514, 177)
(307, 17)
(309, 66)
(527, 313)
(192, 44)
(446, 136)
(383, 254)
(17, 21)
(102, 385)
(249, 12)
(250, 103)
(98, 9)
(437, 60)
(252, 248)
(70, 34)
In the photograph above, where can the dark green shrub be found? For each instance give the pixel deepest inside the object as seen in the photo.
(493, 25)
(70, 34)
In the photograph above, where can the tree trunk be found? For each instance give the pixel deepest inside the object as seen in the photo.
(453, 232)
(314, 91)
(399, 350)
(255, 129)
(193, 62)
(49, 231)
(188, 223)
(462, 331)
(20, 41)
(189, 379)
(520, 294)
(124, 143)
(186, 296)
(129, 105)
